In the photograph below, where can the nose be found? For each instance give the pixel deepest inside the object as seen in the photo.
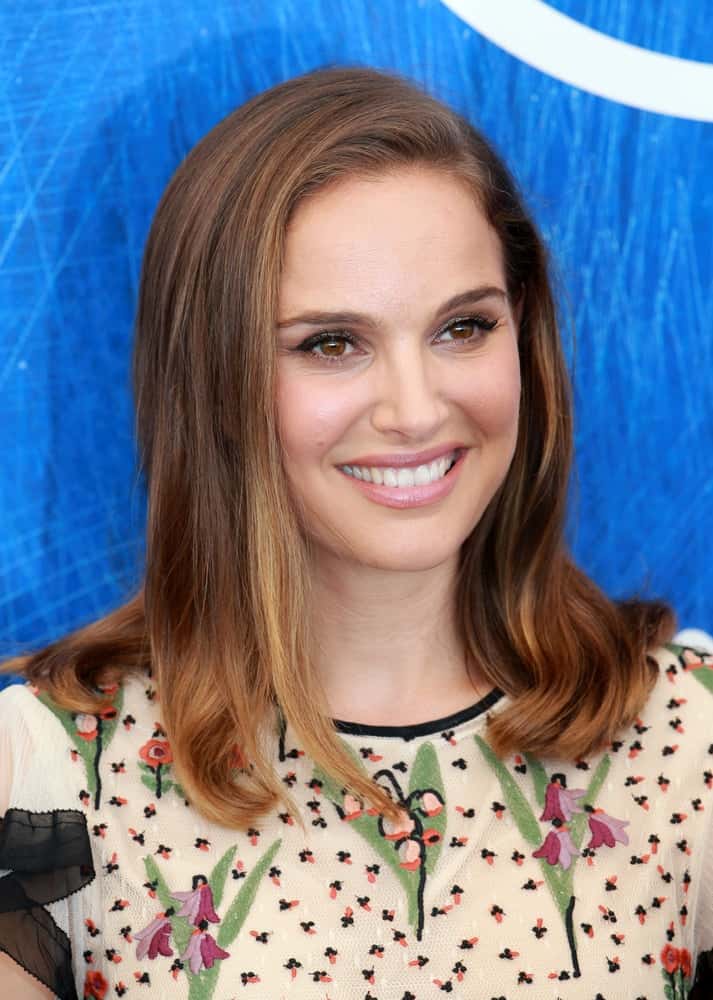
(410, 398)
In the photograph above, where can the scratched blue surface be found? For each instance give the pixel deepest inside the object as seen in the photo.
(100, 101)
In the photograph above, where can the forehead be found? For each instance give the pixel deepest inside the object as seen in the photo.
(412, 233)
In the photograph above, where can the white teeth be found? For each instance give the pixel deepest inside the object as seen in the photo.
(420, 476)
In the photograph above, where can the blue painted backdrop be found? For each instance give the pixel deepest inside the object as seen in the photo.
(100, 103)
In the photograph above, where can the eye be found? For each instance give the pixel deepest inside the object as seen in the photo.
(330, 340)
(481, 324)
(334, 343)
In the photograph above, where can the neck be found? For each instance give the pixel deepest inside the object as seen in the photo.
(387, 643)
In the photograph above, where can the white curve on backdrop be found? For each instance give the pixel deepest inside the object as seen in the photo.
(563, 48)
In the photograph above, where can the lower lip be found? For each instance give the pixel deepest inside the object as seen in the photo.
(410, 496)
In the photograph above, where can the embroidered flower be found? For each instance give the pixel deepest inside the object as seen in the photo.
(153, 939)
(670, 958)
(86, 726)
(202, 951)
(395, 831)
(410, 854)
(156, 752)
(557, 847)
(95, 986)
(605, 829)
(694, 660)
(560, 801)
(431, 804)
(685, 957)
(352, 807)
(198, 903)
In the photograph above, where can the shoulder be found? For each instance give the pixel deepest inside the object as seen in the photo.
(685, 672)
(52, 751)
(673, 731)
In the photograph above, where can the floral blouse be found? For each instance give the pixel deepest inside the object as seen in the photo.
(520, 877)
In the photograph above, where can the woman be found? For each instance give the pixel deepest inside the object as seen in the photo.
(367, 731)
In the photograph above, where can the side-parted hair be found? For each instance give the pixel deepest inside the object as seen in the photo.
(222, 619)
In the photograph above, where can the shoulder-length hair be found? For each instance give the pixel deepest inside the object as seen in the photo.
(222, 618)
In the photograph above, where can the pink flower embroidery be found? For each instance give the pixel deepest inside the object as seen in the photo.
(198, 903)
(557, 847)
(202, 951)
(86, 726)
(352, 807)
(431, 803)
(153, 940)
(410, 854)
(395, 831)
(606, 830)
(561, 802)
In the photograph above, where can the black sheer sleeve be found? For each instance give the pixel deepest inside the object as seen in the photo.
(703, 983)
(48, 857)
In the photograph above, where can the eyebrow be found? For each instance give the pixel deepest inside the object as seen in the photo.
(320, 318)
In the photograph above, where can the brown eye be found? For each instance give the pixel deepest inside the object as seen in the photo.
(332, 342)
(472, 328)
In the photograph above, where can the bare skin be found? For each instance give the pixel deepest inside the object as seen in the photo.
(18, 984)
(393, 249)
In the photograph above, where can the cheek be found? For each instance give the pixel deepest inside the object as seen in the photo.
(491, 398)
(312, 418)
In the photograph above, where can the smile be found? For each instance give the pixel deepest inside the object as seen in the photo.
(420, 475)
(408, 486)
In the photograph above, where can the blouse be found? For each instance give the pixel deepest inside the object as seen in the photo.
(503, 878)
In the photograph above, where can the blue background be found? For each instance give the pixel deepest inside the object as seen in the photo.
(100, 102)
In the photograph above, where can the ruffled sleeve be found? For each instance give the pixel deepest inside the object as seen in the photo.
(45, 854)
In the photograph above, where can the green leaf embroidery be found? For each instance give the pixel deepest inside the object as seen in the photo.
(180, 926)
(89, 750)
(216, 879)
(704, 674)
(539, 778)
(240, 907)
(517, 803)
(368, 827)
(426, 775)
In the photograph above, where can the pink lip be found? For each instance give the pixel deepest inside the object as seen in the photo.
(401, 458)
(410, 496)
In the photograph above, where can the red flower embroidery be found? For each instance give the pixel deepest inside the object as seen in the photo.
(670, 958)
(95, 986)
(685, 956)
(155, 752)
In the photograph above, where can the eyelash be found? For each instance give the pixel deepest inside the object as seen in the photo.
(484, 325)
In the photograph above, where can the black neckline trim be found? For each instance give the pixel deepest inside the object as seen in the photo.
(423, 728)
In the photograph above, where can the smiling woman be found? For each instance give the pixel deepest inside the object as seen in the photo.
(348, 714)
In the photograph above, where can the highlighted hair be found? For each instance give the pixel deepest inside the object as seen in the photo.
(222, 619)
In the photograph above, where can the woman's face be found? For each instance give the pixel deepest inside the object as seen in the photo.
(404, 374)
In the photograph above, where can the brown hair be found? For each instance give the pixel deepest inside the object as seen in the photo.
(222, 618)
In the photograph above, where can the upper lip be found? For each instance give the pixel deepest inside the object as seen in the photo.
(403, 458)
